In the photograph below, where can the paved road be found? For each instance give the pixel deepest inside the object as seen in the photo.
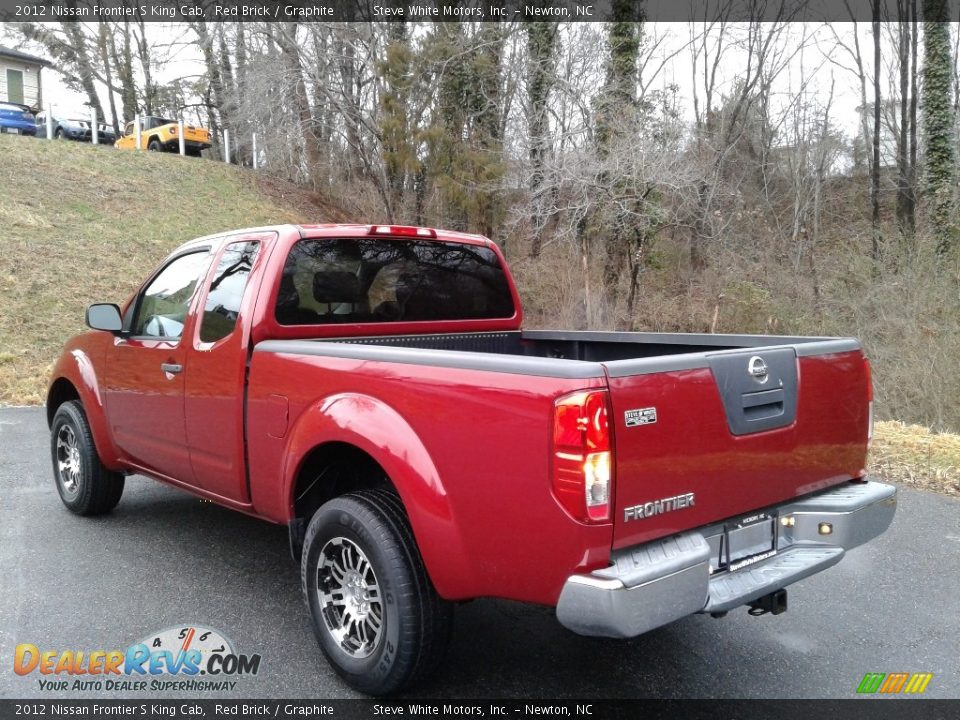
(164, 558)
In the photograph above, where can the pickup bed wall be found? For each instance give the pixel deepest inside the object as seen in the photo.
(468, 451)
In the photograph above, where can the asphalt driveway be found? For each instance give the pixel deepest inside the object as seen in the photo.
(164, 558)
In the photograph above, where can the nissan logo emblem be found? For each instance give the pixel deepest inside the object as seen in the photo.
(758, 369)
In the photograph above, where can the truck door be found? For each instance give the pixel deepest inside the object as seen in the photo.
(145, 372)
(215, 384)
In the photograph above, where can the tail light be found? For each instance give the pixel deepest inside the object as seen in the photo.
(582, 458)
(869, 374)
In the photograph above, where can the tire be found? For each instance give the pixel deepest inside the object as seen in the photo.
(59, 134)
(154, 145)
(85, 486)
(193, 152)
(365, 535)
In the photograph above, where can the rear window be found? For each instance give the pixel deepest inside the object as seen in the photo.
(378, 280)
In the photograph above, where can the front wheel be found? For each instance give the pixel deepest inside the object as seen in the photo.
(376, 615)
(85, 486)
(154, 145)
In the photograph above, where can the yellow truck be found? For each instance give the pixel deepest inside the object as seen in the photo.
(162, 135)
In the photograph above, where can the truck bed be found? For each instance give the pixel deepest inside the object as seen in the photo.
(623, 353)
(713, 432)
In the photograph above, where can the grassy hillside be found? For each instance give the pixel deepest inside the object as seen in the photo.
(80, 224)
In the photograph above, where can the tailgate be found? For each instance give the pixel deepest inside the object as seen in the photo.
(702, 437)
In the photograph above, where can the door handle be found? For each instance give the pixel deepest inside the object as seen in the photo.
(171, 368)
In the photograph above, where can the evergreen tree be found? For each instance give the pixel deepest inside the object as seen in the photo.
(397, 127)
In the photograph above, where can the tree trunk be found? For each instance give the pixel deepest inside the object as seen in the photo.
(84, 65)
(205, 41)
(102, 46)
(398, 154)
(616, 119)
(875, 171)
(903, 157)
(912, 183)
(123, 62)
(293, 70)
(541, 49)
(938, 121)
(143, 54)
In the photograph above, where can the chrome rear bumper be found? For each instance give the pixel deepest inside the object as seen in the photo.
(656, 583)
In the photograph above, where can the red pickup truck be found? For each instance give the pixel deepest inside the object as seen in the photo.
(371, 388)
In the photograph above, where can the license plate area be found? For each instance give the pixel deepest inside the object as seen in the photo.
(748, 540)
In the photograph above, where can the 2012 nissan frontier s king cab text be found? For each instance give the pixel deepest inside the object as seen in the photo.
(371, 387)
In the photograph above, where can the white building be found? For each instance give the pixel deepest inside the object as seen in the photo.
(20, 78)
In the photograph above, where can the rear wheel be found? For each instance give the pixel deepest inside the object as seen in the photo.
(376, 615)
(85, 486)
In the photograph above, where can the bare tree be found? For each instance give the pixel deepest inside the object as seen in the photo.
(877, 128)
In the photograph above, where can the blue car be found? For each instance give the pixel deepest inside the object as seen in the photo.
(16, 119)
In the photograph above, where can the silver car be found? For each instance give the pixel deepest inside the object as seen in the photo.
(75, 128)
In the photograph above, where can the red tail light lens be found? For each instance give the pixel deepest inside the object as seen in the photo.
(869, 374)
(582, 461)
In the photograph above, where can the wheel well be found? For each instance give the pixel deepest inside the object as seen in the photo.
(332, 470)
(61, 391)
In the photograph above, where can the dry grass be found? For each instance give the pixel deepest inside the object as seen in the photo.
(83, 224)
(917, 456)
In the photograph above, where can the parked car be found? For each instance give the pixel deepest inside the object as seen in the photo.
(371, 388)
(16, 119)
(162, 135)
(74, 128)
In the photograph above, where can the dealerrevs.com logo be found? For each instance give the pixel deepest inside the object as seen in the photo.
(189, 658)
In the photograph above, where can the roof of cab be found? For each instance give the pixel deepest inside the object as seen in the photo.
(363, 229)
(330, 230)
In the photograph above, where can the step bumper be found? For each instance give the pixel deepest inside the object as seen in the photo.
(656, 583)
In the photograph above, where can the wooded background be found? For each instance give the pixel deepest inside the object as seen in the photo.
(622, 200)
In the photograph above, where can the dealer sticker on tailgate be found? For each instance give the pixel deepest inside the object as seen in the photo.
(642, 416)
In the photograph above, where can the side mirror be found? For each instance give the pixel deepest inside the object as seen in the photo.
(104, 316)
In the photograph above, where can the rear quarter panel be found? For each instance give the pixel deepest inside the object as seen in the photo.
(468, 451)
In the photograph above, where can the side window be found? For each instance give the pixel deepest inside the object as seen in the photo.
(226, 291)
(163, 306)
